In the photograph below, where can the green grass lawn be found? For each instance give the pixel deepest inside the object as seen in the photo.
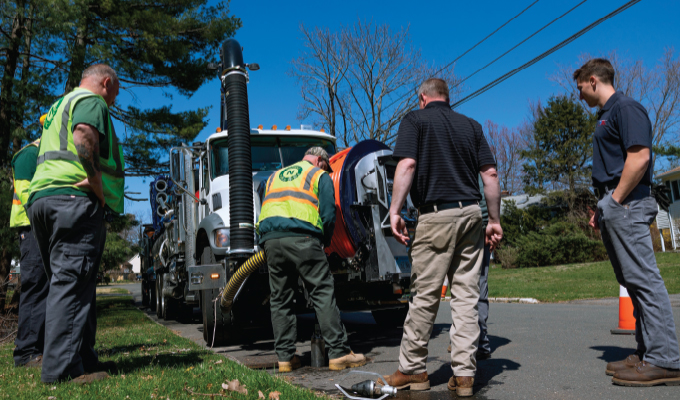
(154, 363)
(111, 290)
(574, 281)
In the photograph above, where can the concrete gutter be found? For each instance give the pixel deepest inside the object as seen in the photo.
(523, 300)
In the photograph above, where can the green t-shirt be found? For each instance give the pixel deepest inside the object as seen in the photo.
(91, 111)
(25, 163)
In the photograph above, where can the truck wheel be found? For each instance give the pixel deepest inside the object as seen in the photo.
(213, 318)
(159, 295)
(152, 296)
(145, 295)
(390, 318)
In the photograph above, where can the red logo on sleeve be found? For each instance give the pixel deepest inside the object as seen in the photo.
(602, 122)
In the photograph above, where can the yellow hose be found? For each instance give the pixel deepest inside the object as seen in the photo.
(251, 265)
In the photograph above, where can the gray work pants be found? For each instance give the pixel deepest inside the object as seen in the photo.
(483, 303)
(626, 236)
(31, 332)
(70, 233)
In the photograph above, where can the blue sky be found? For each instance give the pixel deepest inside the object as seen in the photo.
(442, 30)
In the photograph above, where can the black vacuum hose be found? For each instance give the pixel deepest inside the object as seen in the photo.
(241, 200)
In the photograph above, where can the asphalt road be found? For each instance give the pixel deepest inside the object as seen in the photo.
(540, 351)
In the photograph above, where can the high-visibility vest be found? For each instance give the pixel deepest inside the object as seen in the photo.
(293, 192)
(18, 217)
(58, 161)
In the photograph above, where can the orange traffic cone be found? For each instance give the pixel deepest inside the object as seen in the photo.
(626, 318)
(445, 286)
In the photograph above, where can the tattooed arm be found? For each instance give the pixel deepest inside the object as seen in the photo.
(86, 140)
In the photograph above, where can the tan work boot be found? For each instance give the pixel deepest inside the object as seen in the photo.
(289, 366)
(351, 360)
(462, 385)
(646, 374)
(89, 378)
(616, 366)
(412, 382)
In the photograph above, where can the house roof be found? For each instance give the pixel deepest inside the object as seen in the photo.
(666, 174)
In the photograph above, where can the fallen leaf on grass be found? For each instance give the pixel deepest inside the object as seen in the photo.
(165, 341)
(218, 362)
(274, 395)
(51, 398)
(30, 376)
(53, 388)
(235, 386)
(260, 395)
(190, 368)
(209, 385)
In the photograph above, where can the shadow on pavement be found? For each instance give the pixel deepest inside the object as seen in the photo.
(613, 353)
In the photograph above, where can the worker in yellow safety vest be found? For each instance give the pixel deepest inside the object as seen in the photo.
(297, 217)
(29, 342)
(80, 174)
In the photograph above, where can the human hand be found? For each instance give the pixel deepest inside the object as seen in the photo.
(399, 229)
(494, 234)
(594, 218)
(96, 189)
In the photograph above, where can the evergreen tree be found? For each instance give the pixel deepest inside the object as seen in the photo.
(45, 45)
(560, 155)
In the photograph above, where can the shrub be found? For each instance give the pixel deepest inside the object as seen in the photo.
(507, 257)
(559, 243)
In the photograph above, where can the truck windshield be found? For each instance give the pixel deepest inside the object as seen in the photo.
(269, 153)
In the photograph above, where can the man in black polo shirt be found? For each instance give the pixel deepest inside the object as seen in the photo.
(622, 175)
(442, 153)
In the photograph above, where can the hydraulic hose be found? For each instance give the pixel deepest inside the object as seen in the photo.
(251, 265)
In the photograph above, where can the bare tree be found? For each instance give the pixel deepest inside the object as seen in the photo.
(657, 89)
(506, 144)
(359, 82)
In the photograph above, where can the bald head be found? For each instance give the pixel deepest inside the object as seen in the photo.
(102, 80)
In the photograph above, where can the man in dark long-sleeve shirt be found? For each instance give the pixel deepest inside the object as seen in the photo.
(297, 216)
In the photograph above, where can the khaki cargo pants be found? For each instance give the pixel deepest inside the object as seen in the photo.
(449, 242)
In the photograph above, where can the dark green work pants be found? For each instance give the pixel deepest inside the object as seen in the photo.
(289, 258)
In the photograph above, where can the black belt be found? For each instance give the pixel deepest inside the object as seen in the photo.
(601, 190)
(446, 206)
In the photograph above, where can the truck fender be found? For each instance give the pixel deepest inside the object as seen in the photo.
(207, 226)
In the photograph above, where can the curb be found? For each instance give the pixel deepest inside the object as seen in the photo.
(522, 300)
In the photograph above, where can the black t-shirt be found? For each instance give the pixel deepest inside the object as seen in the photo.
(622, 123)
(449, 149)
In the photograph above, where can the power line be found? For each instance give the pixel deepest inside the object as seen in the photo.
(520, 43)
(467, 51)
(483, 40)
(545, 54)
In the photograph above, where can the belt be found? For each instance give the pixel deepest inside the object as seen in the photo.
(446, 206)
(601, 190)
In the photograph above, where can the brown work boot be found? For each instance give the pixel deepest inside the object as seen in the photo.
(629, 362)
(108, 366)
(351, 360)
(289, 366)
(89, 378)
(646, 374)
(34, 363)
(412, 382)
(463, 385)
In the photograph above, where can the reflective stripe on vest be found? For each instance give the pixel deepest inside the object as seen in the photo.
(59, 164)
(293, 192)
(18, 217)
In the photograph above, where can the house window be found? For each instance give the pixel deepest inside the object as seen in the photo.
(676, 190)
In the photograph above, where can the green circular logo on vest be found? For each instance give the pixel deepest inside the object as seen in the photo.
(290, 174)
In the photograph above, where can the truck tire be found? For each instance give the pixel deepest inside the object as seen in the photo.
(390, 318)
(213, 318)
(159, 294)
(145, 295)
(152, 296)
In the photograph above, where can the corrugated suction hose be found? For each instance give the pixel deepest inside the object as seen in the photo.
(251, 265)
